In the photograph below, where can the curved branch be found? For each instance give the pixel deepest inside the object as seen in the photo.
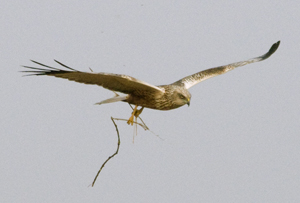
(111, 155)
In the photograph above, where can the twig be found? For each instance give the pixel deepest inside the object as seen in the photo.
(111, 155)
(143, 125)
(140, 124)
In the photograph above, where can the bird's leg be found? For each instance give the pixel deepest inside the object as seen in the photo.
(130, 120)
(138, 112)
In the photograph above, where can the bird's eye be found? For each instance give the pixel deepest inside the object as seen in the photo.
(181, 96)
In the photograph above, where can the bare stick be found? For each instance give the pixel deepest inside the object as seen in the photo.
(111, 155)
(140, 124)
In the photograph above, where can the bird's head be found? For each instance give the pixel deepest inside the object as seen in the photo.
(181, 97)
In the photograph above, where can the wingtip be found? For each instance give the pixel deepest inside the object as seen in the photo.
(64, 65)
(272, 50)
(274, 47)
(34, 61)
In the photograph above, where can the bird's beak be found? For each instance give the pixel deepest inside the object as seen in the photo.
(188, 102)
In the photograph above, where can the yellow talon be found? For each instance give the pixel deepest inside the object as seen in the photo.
(130, 120)
(135, 113)
(138, 112)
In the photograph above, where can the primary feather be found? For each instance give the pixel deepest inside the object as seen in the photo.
(115, 82)
(194, 79)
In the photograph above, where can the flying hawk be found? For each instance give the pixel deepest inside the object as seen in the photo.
(140, 93)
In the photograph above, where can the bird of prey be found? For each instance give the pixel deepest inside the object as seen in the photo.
(140, 93)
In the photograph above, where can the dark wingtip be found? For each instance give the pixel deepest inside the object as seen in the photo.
(65, 65)
(273, 48)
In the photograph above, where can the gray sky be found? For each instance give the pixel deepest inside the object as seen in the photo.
(239, 140)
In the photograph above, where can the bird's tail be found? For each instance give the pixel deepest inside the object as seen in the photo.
(113, 99)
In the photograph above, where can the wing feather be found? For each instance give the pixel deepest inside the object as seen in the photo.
(194, 79)
(115, 82)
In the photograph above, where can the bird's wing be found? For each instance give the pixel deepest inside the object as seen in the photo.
(114, 82)
(194, 79)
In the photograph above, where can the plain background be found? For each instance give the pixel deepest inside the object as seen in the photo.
(239, 141)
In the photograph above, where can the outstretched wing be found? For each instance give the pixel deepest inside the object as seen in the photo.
(114, 82)
(194, 79)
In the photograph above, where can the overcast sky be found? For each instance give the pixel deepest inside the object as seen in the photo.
(239, 141)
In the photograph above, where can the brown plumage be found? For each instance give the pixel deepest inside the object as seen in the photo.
(140, 93)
